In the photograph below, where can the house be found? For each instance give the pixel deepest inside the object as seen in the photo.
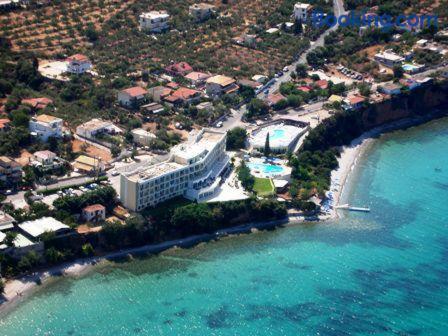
(280, 185)
(220, 85)
(389, 58)
(184, 96)
(248, 40)
(172, 85)
(94, 213)
(205, 106)
(158, 93)
(201, 11)
(37, 103)
(304, 88)
(154, 21)
(178, 69)
(92, 128)
(354, 102)
(421, 43)
(10, 172)
(322, 84)
(410, 83)
(260, 78)
(132, 97)
(302, 11)
(153, 108)
(21, 246)
(142, 137)
(89, 165)
(390, 89)
(6, 221)
(45, 126)
(252, 84)
(78, 64)
(197, 78)
(46, 160)
(274, 98)
(335, 98)
(36, 228)
(5, 125)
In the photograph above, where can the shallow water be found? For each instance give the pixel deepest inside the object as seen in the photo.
(381, 273)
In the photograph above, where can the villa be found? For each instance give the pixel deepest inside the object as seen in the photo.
(221, 85)
(302, 11)
(201, 11)
(89, 165)
(178, 69)
(37, 103)
(132, 96)
(193, 170)
(94, 213)
(390, 89)
(142, 137)
(154, 21)
(10, 171)
(46, 160)
(78, 64)
(389, 58)
(183, 96)
(92, 128)
(197, 78)
(45, 126)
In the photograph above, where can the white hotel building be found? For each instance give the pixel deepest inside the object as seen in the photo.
(193, 170)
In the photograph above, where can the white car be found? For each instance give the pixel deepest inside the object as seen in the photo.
(115, 173)
(285, 69)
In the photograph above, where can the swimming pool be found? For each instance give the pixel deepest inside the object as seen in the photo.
(411, 67)
(277, 134)
(265, 168)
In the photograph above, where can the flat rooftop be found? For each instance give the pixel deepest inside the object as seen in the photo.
(154, 170)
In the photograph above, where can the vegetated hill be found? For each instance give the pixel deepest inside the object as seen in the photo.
(59, 26)
(107, 30)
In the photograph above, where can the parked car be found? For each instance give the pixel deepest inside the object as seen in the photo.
(285, 69)
(115, 173)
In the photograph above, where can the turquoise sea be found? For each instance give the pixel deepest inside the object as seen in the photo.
(381, 273)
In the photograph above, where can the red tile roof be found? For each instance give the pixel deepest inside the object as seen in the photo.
(172, 85)
(94, 207)
(4, 123)
(181, 68)
(274, 98)
(78, 58)
(185, 93)
(323, 84)
(304, 88)
(135, 91)
(38, 103)
(354, 100)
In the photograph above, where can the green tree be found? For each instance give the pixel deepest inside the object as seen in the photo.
(246, 178)
(10, 238)
(267, 147)
(398, 71)
(301, 70)
(236, 138)
(256, 108)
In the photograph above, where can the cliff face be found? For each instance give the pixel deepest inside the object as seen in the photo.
(420, 101)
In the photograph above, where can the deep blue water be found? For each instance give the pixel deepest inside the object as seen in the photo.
(381, 273)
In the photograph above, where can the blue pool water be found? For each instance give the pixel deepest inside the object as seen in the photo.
(268, 169)
(409, 67)
(380, 273)
(276, 134)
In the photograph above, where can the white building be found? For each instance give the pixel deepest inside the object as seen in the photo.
(97, 126)
(46, 160)
(45, 126)
(201, 11)
(142, 136)
(78, 64)
(302, 11)
(154, 21)
(389, 58)
(6, 221)
(193, 170)
(39, 226)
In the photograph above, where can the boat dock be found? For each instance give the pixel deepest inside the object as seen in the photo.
(351, 208)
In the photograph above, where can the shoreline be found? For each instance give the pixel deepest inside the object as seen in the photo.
(19, 289)
(351, 154)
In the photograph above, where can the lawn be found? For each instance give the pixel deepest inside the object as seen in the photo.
(263, 186)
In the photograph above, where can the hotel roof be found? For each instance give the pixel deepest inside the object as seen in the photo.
(39, 226)
(221, 80)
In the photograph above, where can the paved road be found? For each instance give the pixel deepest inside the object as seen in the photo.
(234, 119)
